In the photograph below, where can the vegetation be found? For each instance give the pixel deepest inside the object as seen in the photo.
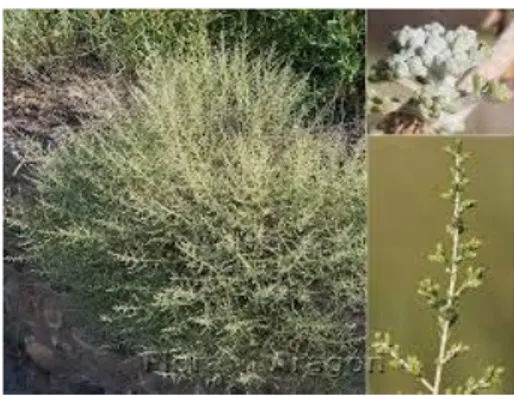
(327, 44)
(434, 63)
(212, 225)
(446, 301)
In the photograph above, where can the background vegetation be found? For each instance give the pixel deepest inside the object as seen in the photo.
(326, 44)
(211, 224)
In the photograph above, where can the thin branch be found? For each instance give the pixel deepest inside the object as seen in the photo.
(445, 334)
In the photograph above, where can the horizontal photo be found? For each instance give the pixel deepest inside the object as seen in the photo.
(185, 201)
(440, 72)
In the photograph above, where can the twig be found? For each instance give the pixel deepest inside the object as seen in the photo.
(445, 333)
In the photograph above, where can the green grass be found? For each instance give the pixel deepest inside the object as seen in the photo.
(326, 44)
(212, 223)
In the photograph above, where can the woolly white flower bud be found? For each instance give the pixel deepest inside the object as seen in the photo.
(434, 29)
(397, 63)
(436, 44)
(459, 63)
(402, 36)
(416, 67)
(450, 37)
(464, 42)
(417, 38)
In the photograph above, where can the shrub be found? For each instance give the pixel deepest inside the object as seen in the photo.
(120, 39)
(327, 44)
(211, 225)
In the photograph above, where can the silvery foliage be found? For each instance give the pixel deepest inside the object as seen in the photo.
(433, 53)
(435, 58)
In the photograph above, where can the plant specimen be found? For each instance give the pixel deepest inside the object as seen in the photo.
(219, 236)
(445, 300)
(440, 67)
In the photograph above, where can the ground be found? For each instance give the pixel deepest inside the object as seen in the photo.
(39, 112)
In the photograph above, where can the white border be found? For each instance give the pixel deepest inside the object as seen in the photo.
(271, 4)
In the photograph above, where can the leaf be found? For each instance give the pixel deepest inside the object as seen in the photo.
(439, 256)
(413, 366)
(469, 203)
(454, 351)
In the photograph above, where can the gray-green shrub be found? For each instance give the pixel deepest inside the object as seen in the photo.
(212, 225)
(326, 44)
(119, 39)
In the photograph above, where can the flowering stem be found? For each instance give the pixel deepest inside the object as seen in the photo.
(445, 333)
(446, 303)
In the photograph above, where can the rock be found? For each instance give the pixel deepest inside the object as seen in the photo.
(42, 355)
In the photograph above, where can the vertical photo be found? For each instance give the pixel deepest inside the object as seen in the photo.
(440, 72)
(185, 201)
(441, 265)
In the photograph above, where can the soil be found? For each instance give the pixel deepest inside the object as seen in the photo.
(39, 112)
(43, 109)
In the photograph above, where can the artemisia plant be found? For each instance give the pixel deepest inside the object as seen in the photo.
(462, 277)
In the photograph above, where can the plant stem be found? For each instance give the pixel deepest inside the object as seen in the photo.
(445, 333)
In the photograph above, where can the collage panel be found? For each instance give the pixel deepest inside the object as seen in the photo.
(440, 265)
(440, 297)
(184, 201)
(440, 72)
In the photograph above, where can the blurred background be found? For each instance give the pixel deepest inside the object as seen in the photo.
(407, 218)
(487, 118)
